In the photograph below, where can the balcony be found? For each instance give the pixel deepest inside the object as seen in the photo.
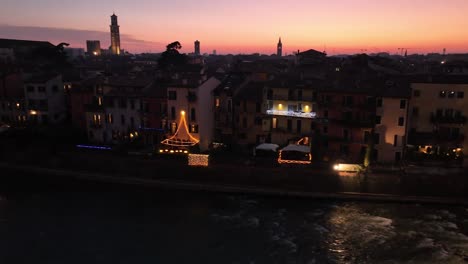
(291, 98)
(436, 119)
(292, 114)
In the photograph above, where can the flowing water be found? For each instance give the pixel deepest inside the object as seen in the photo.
(92, 223)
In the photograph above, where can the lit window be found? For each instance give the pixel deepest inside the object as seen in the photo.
(193, 128)
(451, 94)
(442, 94)
(99, 101)
(217, 102)
(274, 123)
(173, 127)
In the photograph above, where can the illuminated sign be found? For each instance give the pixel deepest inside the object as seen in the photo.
(292, 113)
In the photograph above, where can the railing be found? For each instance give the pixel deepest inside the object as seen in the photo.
(292, 98)
(292, 113)
(448, 119)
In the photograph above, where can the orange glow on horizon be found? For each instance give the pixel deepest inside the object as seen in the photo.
(334, 26)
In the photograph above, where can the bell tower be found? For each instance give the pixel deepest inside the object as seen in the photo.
(279, 51)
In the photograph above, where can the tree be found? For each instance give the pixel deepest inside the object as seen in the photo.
(172, 57)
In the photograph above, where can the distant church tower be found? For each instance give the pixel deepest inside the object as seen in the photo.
(115, 36)
(197, 47)
(279, 51)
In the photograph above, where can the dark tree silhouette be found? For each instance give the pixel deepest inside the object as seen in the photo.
(172, 57)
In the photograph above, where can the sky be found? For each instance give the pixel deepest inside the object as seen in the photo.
(246, 26)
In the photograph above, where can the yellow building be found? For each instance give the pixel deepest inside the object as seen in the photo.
(437, 115)
(290, 108)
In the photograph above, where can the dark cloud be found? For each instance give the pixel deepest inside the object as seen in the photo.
(77, 37)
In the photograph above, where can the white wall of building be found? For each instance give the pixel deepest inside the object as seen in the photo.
(392, 136)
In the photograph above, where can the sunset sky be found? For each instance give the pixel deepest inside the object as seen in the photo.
(246, 26)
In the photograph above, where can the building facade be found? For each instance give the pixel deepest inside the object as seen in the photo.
(45, 99)
(93, 47)
(438, 115)
(192, 99)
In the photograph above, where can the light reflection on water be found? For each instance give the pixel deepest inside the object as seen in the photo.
(150, 227)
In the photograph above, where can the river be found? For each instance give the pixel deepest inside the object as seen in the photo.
(70, 222)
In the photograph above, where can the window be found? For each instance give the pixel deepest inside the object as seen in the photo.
(289, 125)
(193, 116)
(258, 107)
(344, 150)
(397, 156)
(378, 120)
(270, 94)
(439, 112)
(460, 94)
(379, 102)
(132, 104)
(345, 134)
(401, 121)
(244, 122)
(32, 103)
(402, 104)
(451, 94)
(54, 88)
(132, 122)
(325, 113)
(448, 112)
(376, 138)
(229, 106)
(299, 126)
(122, 119)
(173, 113)
(30, 89)
(43, 105)
(416, 93)
(442, 94)
(366, 136)
(123, 103)
(41, 89)
(193, 128)
(325, 129)
(99, 100)
(395, 140)
(245, 106)
(173, 127)
(274, 123)
(348, 100)
(172, 95)
(217, 102)
(299, 95)
(109, 118)
(415, 111)
(258, 121)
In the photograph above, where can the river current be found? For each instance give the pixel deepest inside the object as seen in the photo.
(116, 224)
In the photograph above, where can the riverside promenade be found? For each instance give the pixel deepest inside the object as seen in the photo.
(242, 178)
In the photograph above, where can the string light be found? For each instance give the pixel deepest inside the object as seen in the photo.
(176, 142)
(305, 162)
(198, 160)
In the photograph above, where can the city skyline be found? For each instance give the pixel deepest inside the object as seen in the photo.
(337, 27)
